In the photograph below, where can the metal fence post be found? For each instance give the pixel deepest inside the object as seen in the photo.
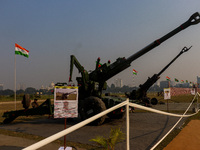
(127, 125)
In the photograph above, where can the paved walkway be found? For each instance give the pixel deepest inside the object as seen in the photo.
(188, 138)
(18, 143)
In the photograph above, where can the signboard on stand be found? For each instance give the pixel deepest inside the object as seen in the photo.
(193, 91)
(167, 94)
(65, 102)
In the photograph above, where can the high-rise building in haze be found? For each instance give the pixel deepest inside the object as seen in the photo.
(1, 86)
(118, 83)
(164, 84)
(21, 86)
(198, 80)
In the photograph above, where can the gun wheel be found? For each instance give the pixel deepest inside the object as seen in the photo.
(154, 101)
(92, 106)
(26, 101)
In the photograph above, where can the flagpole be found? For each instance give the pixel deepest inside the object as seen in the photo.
(19, 51)
(15, 85)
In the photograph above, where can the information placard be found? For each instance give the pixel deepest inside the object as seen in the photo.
(65, 102)
(167, 94)
(193, 91)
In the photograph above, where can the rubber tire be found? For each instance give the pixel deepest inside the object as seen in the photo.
(26, 101)
(154, 101)
(92, 106)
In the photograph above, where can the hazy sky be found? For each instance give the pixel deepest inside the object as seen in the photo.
(53, 30)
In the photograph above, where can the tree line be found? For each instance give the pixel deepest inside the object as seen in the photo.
(125, 88)
(29, 90)
(112, 88)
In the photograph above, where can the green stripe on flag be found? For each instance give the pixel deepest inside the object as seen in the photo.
(20, 53)
(134, 73)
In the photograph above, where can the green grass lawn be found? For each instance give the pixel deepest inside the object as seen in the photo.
(174, 99)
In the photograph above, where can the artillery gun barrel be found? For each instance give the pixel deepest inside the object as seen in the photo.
(107, 71)
(150, 81)
(185, 49)
(122, 63)
(194, 19)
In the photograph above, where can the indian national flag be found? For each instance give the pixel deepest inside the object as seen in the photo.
(167, 78)
(135, 72)
(21, 51)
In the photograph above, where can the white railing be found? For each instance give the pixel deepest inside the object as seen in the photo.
(85, 122)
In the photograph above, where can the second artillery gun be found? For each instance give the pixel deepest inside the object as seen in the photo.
(91, 85)
(140, 95)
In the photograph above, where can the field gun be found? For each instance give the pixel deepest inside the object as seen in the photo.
(91, 85)
(140, 95)
(44, 108)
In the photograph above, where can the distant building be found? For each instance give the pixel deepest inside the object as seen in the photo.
(172, 83)
(21, 86)
(182, 85)
(1, 86)
(164, 84)
(42, 87)
(186, 85)
(118, 83)
(51, 86)
(198, 81)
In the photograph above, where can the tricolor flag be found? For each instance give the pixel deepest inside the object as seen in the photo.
(135, 72)
(182, 81)
(167, 78)
(21, 51)
(176, 80)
